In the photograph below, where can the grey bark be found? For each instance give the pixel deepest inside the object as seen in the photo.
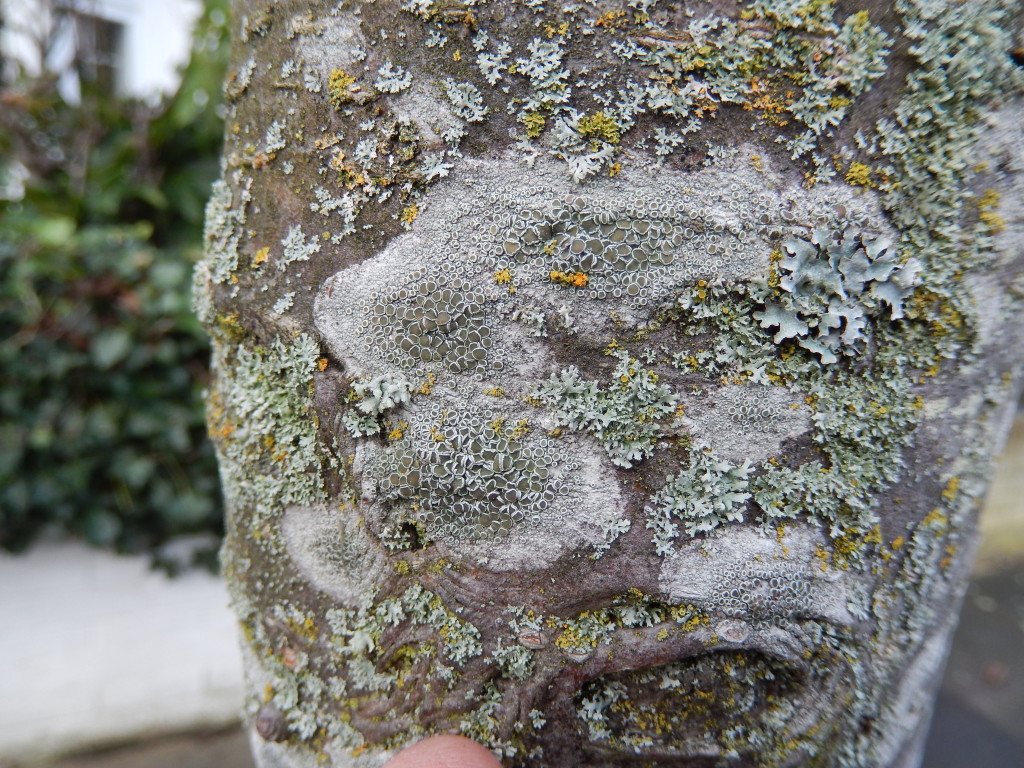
(612, 383)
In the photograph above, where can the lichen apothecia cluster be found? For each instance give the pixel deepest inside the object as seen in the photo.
(591, 275)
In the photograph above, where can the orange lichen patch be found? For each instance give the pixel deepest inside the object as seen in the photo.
(950, 491)
(348, 175)
(261, 159)
(427, 386)
(572, 279)
(550, 30)
(321, 364)
(768, 102)
(947, 561)
(222, 431)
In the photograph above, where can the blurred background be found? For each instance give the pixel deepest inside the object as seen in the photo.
(117, 647)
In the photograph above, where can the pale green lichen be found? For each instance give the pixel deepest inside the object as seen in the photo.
(222, 233)
(627, 416)
(260, 414)
(708, 493)
(357, 633)
(861, 423)
(830, 285)
(372, 398)
(392, 79)
(296, 248)
(466, 100)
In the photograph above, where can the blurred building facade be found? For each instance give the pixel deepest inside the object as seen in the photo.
(131, 47)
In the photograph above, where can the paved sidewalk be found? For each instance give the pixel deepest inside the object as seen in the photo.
(96, 648)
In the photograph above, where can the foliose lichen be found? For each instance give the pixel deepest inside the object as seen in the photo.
(705, 495)
(830, 285)
(627, 417)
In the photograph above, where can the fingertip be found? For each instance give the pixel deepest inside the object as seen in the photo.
(444, 752)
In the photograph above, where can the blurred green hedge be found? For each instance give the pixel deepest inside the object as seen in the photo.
(101, 360)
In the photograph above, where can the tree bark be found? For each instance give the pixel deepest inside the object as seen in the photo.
(612, 383)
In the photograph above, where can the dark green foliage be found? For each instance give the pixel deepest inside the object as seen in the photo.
(101, 361)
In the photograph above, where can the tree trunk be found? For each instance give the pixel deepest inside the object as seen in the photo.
(613, 383)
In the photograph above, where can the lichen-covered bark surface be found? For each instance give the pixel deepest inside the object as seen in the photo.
(611, 382)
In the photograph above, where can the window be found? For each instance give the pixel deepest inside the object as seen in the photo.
(99, 50)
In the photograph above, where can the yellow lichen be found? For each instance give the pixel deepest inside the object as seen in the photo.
(550, 30)
(260, 256)
(534, 122)
(427, 386)
(859, 175)
(610, 19)
(987, 215)
(338, 87)
(409, 214)
(599, 126)
(503, 276)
